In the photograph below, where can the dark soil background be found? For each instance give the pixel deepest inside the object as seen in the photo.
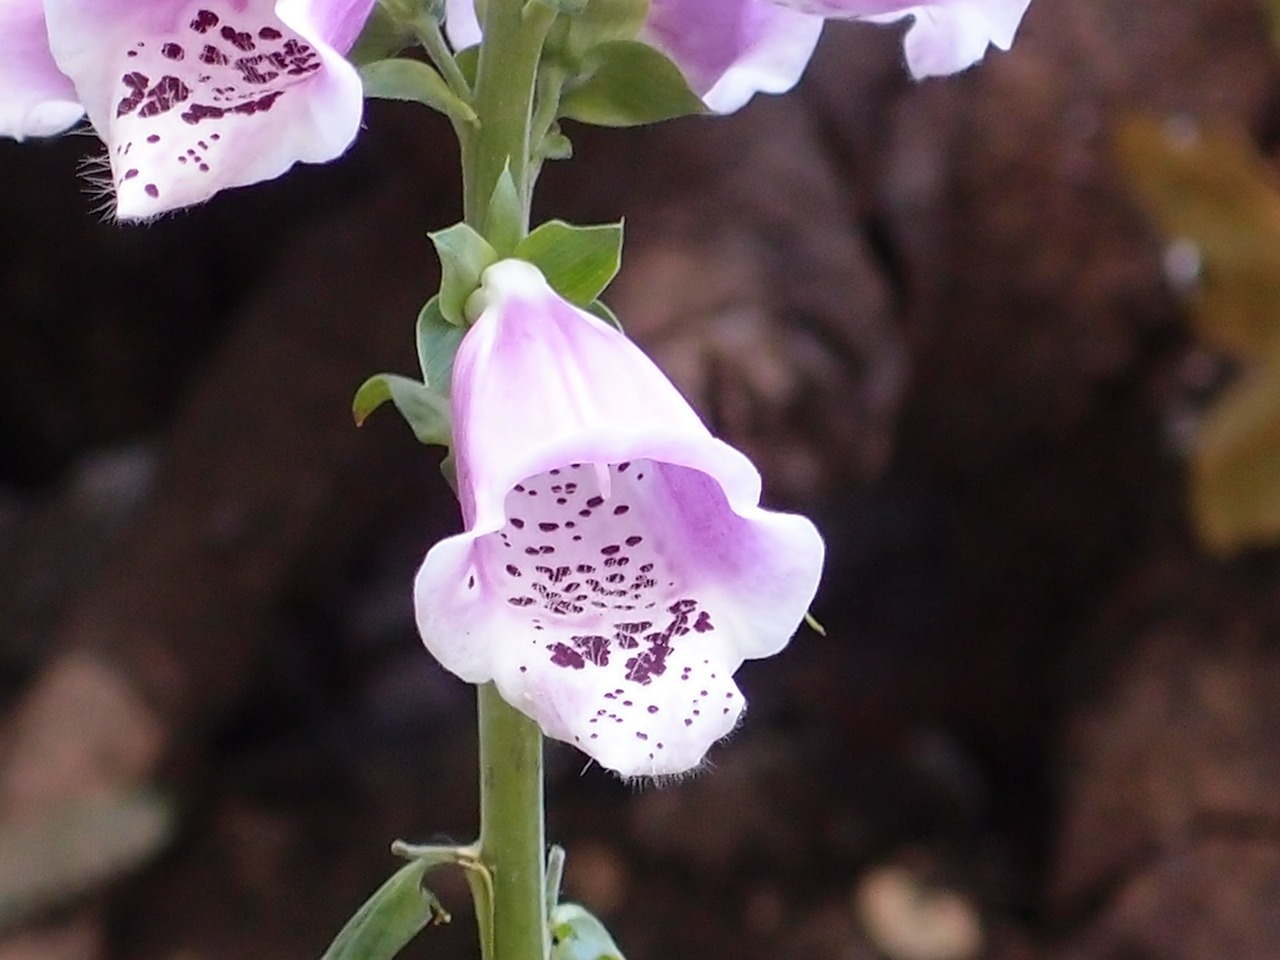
(1044, 725)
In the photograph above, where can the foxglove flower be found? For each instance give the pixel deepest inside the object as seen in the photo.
(616, 567)
(190, 96)
(729, 50)
(945, 35)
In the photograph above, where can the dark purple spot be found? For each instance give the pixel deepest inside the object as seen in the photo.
(269, 33)
(548, 527)
(205, 20)
(620, 509)
(172, 51)
(521, 601)
(652, 708)
(154, 138)
(563, 655)
(703, 623)
(641, 736)
(595, 502)
(238, 39)
(129, 174)
(517, 523)
(513, 570)
(213, 56)
(151, 190)
(634, 541)
(610, 550)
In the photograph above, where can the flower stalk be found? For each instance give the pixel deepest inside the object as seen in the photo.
(512, 842)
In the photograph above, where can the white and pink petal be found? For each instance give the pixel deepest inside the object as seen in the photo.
(945, 36)
(36, 98)
(616, 568)
(196, 97)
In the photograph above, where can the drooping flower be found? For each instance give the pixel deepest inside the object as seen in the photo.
(190, 96)
(945, 35)
(730, 50)
(36, 98)
(616, 567)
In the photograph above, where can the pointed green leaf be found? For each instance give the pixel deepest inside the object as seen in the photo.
(400, 79)
(383, 36)
(395, 914)
(629, 83)
(578, 262)
(464, 255)
(601, 310)
(506, 217)
(438, 341)
(577, 935)
(426, 413)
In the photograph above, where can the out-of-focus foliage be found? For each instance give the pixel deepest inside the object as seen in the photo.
(1218, 203)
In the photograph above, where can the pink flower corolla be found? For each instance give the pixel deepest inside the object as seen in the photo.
(945, 35)
(616, 567)
(190, 96)
(729, 50)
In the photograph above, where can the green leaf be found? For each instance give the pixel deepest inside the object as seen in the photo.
(570, 7)
(383, 36)
(438, 342)
(577, 935)
(464, 256)
(578, 262)
(601, 310)
(396, 913)
(629, 83)
(506, 216)
(468, 61)
(426, 412)
(603, 21)
(412, 80)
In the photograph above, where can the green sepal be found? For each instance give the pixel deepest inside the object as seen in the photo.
(570, 7)
(396, 913)
(578, 262)
(414, 81)
(505, 219)
(627, 83)
(601, 309)
(555, 146)
(383, 36)
(438, 342)
(464, 255)
(577, 935)
(600, 21)
(468, 60)
(426, 412)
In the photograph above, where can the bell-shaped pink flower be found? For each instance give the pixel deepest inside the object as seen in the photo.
(190, 96)
(945, 35)
(616, 567)
(36, 98)
(728, 50)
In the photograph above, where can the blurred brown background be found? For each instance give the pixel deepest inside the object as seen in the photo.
(1044, 724)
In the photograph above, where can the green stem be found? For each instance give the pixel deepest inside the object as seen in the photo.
(428, 31)
(514, 33)
(512, 844)
(512, 833)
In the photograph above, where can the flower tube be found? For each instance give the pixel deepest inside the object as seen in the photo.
(616, 567)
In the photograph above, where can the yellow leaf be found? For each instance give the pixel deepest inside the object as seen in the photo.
(1214, 190)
